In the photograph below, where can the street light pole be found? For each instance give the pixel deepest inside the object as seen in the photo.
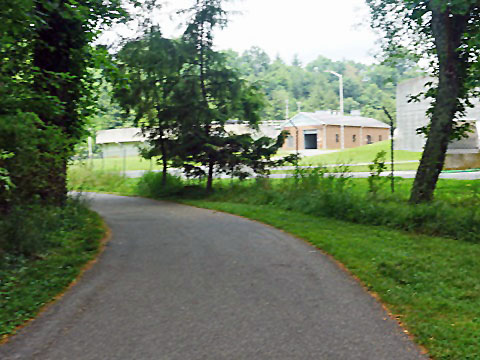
(340, 79)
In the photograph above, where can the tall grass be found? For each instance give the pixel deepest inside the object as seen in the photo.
(317, 192)
(86, 179)
(33, 229)
(321, 194)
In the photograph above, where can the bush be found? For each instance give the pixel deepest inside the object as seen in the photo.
(44, 252)
(151, 185)
(34, 151)
(30, 230)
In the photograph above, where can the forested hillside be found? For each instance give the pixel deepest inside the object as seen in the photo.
(367, 88)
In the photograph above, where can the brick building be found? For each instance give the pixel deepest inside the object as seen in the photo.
(324, 130)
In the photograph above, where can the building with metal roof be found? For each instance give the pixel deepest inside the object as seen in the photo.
(120, 142)
(328, 130)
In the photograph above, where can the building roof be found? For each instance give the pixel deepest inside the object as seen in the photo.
(327, 118)
(268, 129)
(120, 136)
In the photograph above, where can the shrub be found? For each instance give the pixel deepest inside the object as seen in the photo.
(151, 185)
(32, 229)
(35, 150)
(321, 194)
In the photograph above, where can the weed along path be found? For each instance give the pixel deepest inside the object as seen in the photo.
(177, 282)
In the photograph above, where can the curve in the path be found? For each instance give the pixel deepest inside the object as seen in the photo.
(177, 282)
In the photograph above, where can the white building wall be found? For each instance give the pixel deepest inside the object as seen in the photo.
(411, 116)
(120, 149)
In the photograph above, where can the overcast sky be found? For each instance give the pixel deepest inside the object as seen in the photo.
(336, 29)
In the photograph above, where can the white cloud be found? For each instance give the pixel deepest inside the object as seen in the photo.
(335, 29)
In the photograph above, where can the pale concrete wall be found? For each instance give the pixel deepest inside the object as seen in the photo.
(118, 150)
(411, 116)
(462, 161)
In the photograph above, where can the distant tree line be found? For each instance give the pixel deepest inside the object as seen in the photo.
(367, 88)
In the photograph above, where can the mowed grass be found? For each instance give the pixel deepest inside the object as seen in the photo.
(430, 284)
(117, 164)
(356, 168)
(362, 154)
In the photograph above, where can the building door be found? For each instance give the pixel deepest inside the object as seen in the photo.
(310, 139)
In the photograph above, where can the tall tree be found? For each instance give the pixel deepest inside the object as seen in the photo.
(222, 94)
(61, 55)
(448, 33)
(152, 66)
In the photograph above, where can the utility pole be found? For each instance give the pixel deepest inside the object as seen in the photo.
(90, 150)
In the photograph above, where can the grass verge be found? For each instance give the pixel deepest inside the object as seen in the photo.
(362, 154)
(28, 283)
(358, 168)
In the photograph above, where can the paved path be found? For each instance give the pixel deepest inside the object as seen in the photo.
(180, 283)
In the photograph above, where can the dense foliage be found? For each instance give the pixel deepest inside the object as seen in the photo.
(45, 94)
(183, 92)
(367, 88)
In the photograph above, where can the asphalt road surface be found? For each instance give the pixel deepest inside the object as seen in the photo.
(176, 282)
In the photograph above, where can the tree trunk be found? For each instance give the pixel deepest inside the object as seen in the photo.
(210, 177)
(447, 31)
(58, 184)
(163, 149)
(165, 171)
(55, 55)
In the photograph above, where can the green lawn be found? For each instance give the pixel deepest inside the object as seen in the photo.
(117, 164)
(357, 168)
(362, 154)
